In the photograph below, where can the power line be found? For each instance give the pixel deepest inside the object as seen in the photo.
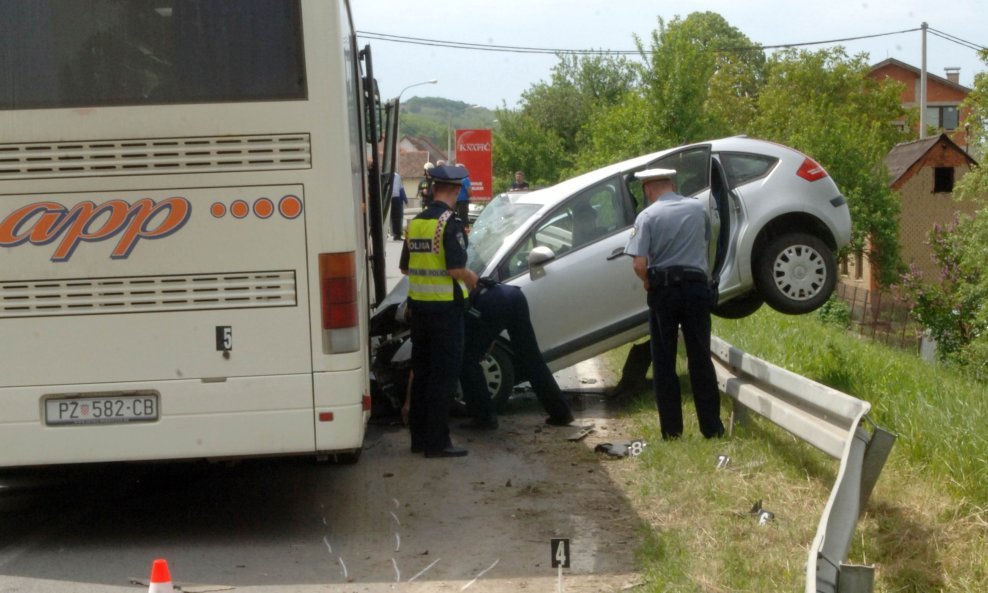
(486, 47)
(957, 40)
(546, 50)
(805, 43)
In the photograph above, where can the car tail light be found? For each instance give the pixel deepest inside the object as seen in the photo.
(811, 170)
(338, 298)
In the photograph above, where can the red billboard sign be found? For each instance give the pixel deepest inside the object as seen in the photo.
(473, 151)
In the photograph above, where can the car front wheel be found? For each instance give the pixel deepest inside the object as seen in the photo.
(499, 374)
(795, 273)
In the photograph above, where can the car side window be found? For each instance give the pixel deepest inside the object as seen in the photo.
(692, 170)
(743, 167)
(637, 193)
(596, 212)
(556, 233)
(581, 220)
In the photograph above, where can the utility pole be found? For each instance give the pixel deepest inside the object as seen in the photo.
(922, 87)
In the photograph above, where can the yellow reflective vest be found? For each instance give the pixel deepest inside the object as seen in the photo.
(428, 278)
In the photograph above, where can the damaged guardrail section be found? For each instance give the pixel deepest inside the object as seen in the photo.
(831, 421)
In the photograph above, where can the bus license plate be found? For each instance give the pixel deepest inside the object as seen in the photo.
(108, 409)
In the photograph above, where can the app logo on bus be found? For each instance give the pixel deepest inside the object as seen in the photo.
(44, 223)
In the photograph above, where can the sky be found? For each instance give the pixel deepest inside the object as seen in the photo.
(495, 79)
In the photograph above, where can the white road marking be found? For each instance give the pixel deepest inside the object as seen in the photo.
(397, 572)
(343, 564)
(422, 572)
(482, 573)
(325, 540)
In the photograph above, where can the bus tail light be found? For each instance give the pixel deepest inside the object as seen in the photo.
(338, 297)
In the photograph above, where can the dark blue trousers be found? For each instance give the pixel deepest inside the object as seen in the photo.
(437, 352)
(496, 309)
(397, 217)
(685, 306)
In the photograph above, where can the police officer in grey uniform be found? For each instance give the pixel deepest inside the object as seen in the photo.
(669, 245)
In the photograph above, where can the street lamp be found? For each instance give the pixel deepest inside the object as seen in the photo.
(398, 98)
(433, 81)
(398, 107)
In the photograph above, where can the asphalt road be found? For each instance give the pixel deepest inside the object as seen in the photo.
(392, 521)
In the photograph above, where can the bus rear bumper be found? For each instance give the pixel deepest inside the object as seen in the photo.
(196, 419)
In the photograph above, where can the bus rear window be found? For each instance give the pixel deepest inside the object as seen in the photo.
(89, 53)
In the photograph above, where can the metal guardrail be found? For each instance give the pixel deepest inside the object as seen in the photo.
(831, 421)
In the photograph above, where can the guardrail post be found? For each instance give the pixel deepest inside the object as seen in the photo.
(875, 457)
(739, 416)
(856, 578)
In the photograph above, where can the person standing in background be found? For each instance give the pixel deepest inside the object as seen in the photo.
(398, 201)
(463, 200)
(519, 183)
(424, 192)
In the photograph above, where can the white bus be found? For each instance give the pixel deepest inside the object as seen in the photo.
(186, 256)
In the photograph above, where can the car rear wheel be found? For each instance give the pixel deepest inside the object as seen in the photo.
(795, 273)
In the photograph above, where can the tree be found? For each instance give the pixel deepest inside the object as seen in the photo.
(974, 185)
(700, 79)
(698, 71)
(825, 104)
(521, 143)
(560, 109)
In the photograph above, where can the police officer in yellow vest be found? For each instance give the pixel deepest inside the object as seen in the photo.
(434, 258)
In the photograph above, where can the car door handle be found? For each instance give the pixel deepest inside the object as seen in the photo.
(616, 254)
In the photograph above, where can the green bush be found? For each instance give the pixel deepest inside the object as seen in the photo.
(835, 312)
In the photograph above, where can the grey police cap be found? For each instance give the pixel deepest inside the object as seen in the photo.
(448, 174)
(655, 174)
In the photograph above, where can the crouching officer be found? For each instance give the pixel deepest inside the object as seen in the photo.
(669, 245)
(434, 258)
(495, 308)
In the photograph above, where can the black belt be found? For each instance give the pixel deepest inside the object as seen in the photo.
(674, 276)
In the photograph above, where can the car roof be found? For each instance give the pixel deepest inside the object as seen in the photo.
(550, 196)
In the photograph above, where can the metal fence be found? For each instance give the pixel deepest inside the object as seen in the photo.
(882, 316)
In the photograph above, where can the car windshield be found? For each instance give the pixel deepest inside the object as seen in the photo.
(501, 217)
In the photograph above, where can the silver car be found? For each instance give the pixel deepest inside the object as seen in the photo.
(778, 220)
(777, 217)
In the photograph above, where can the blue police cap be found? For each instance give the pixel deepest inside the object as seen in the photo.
(448, 174)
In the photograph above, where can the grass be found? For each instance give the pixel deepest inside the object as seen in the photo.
(925, 527)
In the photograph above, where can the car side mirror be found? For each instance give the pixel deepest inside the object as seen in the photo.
(538, 257)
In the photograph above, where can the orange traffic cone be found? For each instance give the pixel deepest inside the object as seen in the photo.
(161, 579)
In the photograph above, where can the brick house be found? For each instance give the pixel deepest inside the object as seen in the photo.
(944, 96)
(923, 172)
